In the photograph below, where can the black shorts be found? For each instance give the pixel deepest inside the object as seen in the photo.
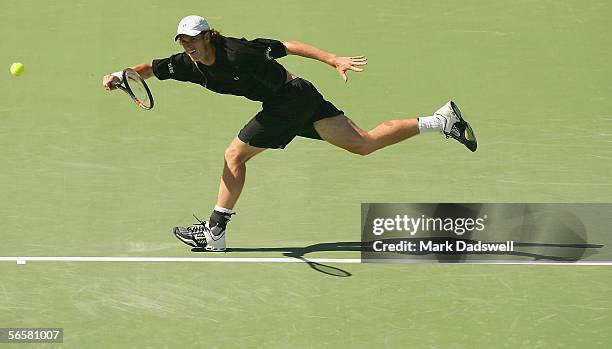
(290, 113)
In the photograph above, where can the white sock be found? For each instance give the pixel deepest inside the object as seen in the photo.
(431, 123)
(223, 210)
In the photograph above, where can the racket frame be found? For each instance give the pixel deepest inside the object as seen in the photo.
(127, 89)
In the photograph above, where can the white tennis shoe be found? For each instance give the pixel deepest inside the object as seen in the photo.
(456, 127)
(200, 235)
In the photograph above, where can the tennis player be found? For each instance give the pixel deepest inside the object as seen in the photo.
(291, 106)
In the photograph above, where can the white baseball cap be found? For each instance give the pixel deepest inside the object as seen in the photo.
(192, 26)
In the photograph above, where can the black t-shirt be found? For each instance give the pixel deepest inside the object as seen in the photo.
(241, 68)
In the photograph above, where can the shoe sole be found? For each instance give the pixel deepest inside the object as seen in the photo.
(468, 128)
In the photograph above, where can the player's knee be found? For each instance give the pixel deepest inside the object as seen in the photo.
(234, 157)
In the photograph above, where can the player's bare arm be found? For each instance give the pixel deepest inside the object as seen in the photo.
(145, 70)
(340, 63)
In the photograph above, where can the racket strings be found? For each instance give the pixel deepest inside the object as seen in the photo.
(139, 90)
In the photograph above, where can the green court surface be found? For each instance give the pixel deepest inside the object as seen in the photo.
(86, 173)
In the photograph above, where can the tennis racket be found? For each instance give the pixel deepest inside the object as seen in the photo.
(134, 85)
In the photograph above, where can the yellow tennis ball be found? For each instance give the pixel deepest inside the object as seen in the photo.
(17, 69)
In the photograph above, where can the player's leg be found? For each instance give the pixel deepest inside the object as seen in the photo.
(234, 172)
(344, 133)
(270, 128)
(210, 234)
(230, 188)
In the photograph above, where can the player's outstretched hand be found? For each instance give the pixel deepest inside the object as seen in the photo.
(343, 64)
(109, 81)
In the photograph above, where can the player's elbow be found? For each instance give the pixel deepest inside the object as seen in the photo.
(362, 149)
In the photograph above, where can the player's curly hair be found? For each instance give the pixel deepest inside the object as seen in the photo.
(214, 34)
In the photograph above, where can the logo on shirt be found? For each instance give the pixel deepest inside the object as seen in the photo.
(170, 68)
(268, 50)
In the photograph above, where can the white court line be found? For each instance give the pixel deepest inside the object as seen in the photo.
(21, 260)
(491, 262)
(24, 260)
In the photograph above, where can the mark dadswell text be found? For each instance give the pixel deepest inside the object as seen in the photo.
(425, 246)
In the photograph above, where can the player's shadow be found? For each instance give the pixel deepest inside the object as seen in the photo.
(558, 252)
(300, 252)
